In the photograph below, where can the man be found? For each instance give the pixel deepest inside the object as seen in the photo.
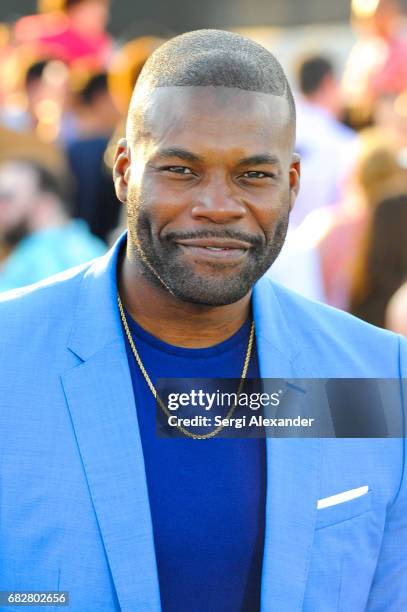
(95, 198)
(92, 501)
(35, 230)
(318, 110)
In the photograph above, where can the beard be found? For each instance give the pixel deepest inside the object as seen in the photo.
(162, 261)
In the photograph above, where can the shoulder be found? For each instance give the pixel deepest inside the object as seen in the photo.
(48, 302)
(318, 319)
(338, 337)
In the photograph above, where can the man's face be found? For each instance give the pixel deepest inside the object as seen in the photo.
(210, 185)
(18, 199)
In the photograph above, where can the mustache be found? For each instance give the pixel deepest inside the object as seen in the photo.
(256, 241)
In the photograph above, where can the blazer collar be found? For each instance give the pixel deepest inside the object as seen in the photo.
(100, 399)
(278, 348)
(96, 320)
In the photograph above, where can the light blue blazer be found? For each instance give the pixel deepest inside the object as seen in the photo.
(74, 510)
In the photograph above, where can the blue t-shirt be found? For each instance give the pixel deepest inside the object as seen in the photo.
(207, 497)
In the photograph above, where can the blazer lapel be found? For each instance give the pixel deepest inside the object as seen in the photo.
(101, 402)
(293, 467)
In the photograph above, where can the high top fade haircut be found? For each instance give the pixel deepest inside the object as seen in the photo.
(209, 58)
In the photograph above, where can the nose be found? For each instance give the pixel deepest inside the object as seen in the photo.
(217, 202)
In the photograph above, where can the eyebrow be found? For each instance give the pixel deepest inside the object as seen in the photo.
(257, 160)
(180, 153)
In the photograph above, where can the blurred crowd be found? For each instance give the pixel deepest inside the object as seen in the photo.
(65, 86)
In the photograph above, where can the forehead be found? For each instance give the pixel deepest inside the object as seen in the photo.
(219, 118)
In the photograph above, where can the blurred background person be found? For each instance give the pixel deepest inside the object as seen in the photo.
(101, 102)
(81, 113)
(382, 264)
(94, 195)
(65, 90)
(68, 30)
(44, 101)
(37, 237)
(339, 231)
(123, 73)
(377, 63)
(396, 312)
(327, 147)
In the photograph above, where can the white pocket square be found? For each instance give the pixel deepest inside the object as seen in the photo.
(339, 498)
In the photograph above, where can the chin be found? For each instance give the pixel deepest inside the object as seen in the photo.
(210, 296)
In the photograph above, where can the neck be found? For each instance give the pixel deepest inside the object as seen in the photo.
(173, 321)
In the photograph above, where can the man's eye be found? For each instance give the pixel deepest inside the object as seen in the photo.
(178, 169)
(256, 174)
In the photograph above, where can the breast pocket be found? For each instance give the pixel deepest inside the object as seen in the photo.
(344, 511)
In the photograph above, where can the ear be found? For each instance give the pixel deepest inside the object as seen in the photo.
(121, 169)
(294, 173)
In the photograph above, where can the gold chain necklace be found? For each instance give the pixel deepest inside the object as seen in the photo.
(153, 390)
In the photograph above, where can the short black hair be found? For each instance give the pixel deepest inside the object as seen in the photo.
(216, 58)
(35, 72)
(311, 72)
(94, 86)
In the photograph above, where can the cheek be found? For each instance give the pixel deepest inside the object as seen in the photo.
(272, 211)
(146, 212)
(162, 203)
(167, 192)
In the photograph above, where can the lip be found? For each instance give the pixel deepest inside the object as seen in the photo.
(220, 243)
(222, 253)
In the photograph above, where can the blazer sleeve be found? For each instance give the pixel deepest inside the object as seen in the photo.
(389, 587)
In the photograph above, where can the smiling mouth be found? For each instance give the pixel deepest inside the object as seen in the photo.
(230, 251)
(215, 243)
